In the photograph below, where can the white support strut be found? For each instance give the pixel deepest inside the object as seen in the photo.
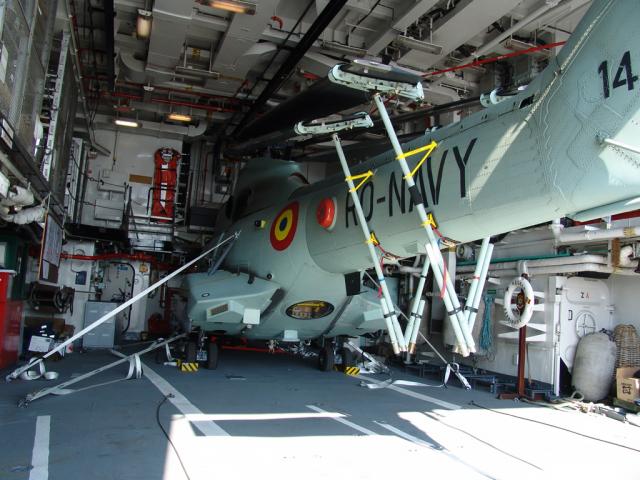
(473, 288)
(615, 143)
(388, 310)
(456, 316)
(415, 315)
(416, 325)
(35, 361)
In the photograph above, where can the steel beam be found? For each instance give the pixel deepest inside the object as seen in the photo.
(406, 18)
(109, 38)
(318, 26)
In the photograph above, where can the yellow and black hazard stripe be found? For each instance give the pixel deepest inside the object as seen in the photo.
(353, 371)
(187, 366)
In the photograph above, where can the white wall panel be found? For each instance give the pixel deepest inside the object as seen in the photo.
(131, 154)
(624, 296)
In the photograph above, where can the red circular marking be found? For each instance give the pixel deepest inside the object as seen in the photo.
(285, 223)
(326, 212)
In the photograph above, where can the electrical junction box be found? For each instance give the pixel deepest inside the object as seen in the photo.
(111, 181)
(103, 335)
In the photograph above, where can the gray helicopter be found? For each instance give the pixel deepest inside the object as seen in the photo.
(565, 146)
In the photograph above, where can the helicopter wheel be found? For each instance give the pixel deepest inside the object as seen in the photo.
(212, 355)
(326, 358)
(348, 358)
(191, 352)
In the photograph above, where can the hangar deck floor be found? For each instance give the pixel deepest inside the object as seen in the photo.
(285, 419)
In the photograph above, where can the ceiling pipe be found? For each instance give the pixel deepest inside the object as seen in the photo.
(182, 92)
(543, 262)
(489, 46)
(554, 266)
(321, 22)
(592, 234)
(137, 71)
(197, 106)
(558, 270)
(73, 32)
(192, 92)
(139, 257)
(563, 10)
(485, 61)
(107, 6)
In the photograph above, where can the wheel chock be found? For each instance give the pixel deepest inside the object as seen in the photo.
(187, 366)
(352, 371)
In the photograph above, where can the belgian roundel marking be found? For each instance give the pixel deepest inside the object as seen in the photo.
(283, 228)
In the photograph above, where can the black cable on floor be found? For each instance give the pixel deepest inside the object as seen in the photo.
(166, 397)
(482, 441)
(554, 426)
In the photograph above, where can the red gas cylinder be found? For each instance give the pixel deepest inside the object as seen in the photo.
(10, 317)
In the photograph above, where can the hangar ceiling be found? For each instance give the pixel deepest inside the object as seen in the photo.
(145, 59)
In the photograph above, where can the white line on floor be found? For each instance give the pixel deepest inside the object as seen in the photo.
(410, 393)
(181, 402)
(440, 456)
(221, 417)
(405, 435)
(343, 421)
(426, 444)
(40, 455)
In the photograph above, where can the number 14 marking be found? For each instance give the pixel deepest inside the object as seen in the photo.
(624, 76)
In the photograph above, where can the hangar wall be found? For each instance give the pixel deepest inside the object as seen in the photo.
(131, 155)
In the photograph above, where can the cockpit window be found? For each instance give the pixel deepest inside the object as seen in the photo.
(241, 203)
(228, 208)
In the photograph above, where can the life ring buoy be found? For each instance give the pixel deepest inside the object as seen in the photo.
(516, 318)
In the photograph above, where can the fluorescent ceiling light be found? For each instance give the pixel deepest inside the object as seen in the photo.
(143, 23)
(179, 117)
(345, 49)
(234, 6)
(420, 45)
(126, 123)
